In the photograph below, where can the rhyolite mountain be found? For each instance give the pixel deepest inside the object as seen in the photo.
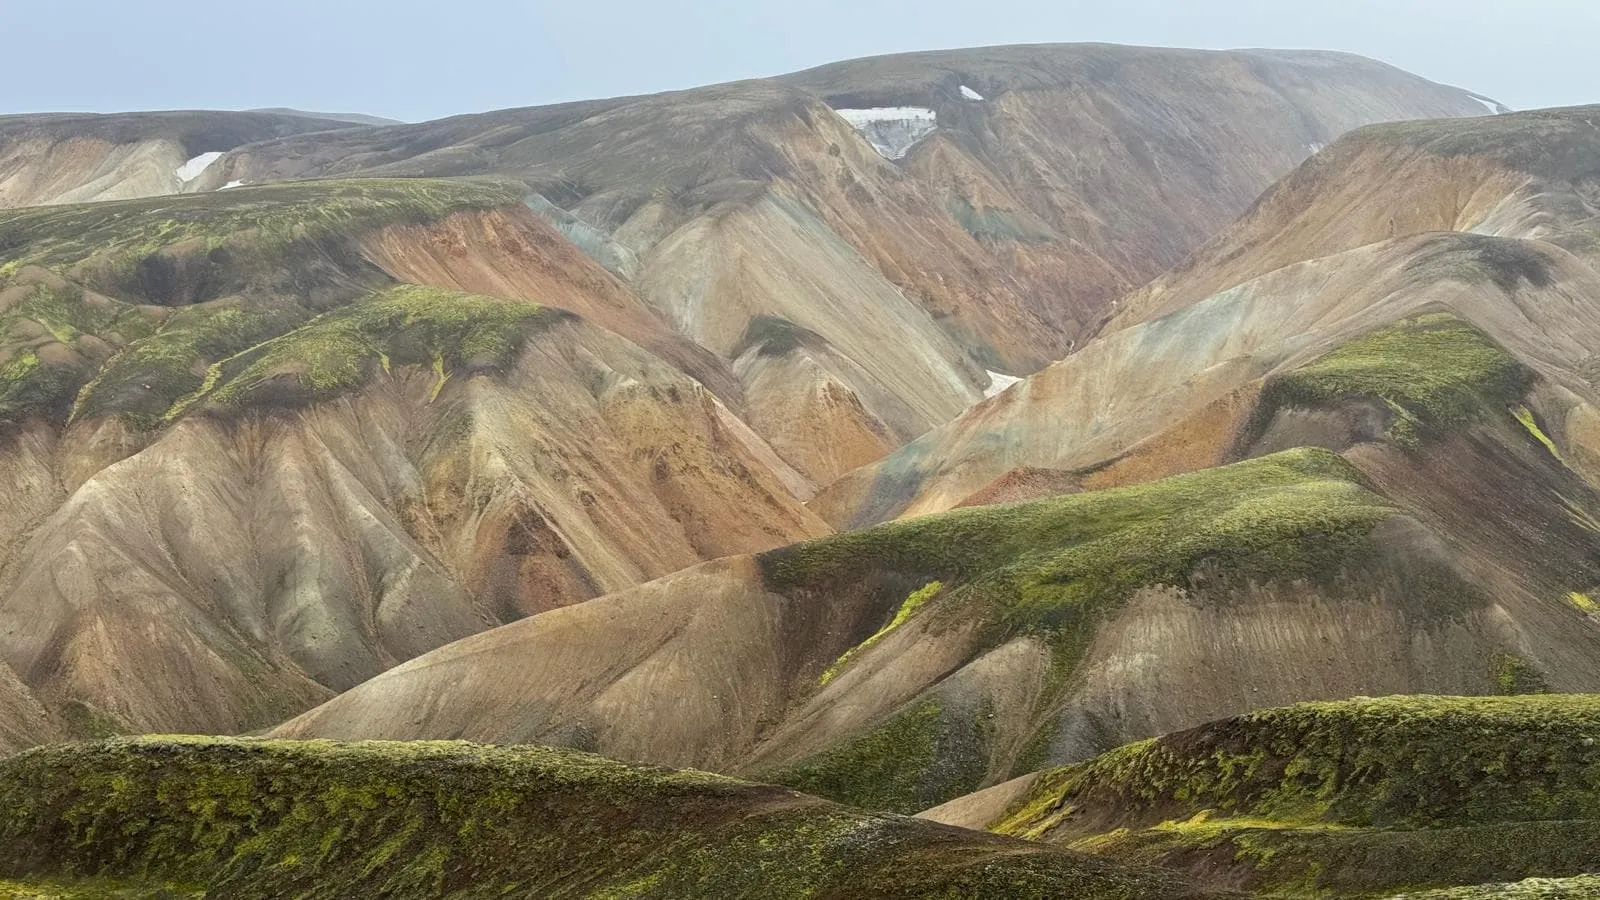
(962, 433)
(1365, 473)
(321, 396)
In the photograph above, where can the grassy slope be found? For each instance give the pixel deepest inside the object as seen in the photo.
(268, 819)
(1434, 373)
(1052, 568)
(1354, 797)
(272, 216)
(253, 265)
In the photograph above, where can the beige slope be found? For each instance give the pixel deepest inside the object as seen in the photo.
(265, 469)
(273, 559)
(686, 668)
(1181, 375)
(75, 158)
(1524, 175)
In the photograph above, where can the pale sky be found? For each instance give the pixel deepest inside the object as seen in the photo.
(415, 60)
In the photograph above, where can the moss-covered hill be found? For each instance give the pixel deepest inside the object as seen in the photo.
(238, 819)
(1434, 374)
(136, 308)
(1352, 798)
(1052, 570)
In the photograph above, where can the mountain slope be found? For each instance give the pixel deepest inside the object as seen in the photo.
(1355, 798)
(900, 666)
(1325, 256)
(248, 456)
(73, 158)
(1081, 172)
(259, 819)
(1528, 175)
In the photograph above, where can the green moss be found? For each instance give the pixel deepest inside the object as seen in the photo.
(1531, 424)
(257, 819)
(1051, 566)
(145, 381)
(1402, 762)
(1515, 675)
(1350, 798)
(406, 325)
(95, 889)
(917, 759)
(269, 218)
(912, 603)
(56, 318)
(1433, 372)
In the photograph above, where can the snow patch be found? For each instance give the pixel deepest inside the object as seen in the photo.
(970, 94)
(192, 169)
(892, 130)
(998, 382)
(1494, 108)
(230, 185)
(1315, 147)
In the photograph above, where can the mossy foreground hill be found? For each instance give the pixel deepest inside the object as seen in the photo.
(1353, 798)
(241, 819)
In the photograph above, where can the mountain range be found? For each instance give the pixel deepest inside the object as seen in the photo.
(1059, 441)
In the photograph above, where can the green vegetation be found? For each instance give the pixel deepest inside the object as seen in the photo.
(146, 380)
(1053, 565)
(249, 819)
(919, 758)
(117, 236)
(338, 351)
(233, 270)
(54, 320)
(1434, 373)
(1531, 424)
(1515, 675)
(902, 615)
(1358, 796)
(95, 889)
(1398, 762)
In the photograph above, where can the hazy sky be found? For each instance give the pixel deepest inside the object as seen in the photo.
(419, 60)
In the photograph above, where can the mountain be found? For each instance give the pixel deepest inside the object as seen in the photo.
(77, 157)
(277, 439)
(1478, 216)
(1355, 798)
(1361, 474)
(1077, 172)
(261, 819)
(250, 448)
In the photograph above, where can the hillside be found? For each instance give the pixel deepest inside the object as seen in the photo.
(1354, 798)
(265, 819)
(246, 450)
(1077, 173)
(900, 666)
(1486, 218)
(78, 157)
